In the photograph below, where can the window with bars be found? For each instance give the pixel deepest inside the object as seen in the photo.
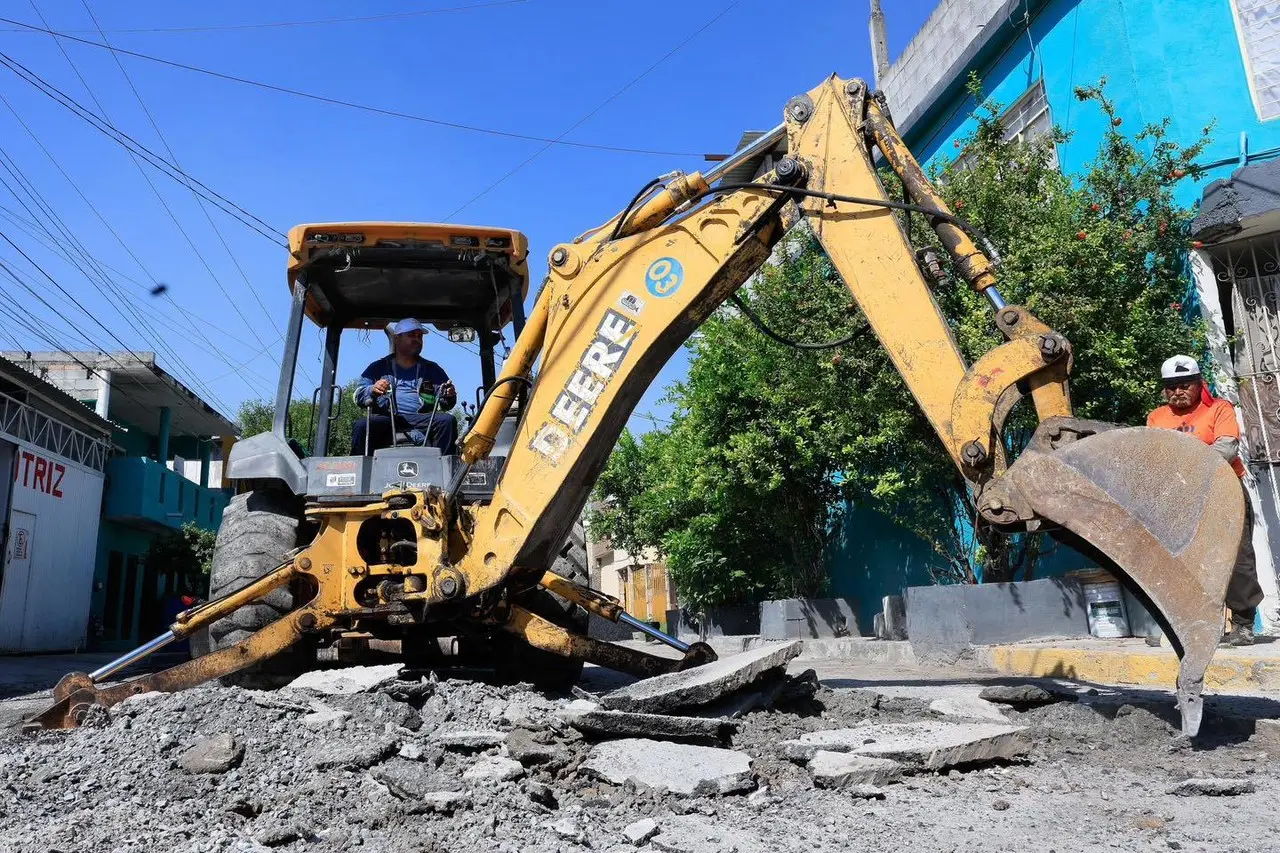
(1248, 277)
(1258, 29)
(1027, 120)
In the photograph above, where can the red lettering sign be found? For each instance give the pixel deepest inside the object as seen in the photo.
(36, 472)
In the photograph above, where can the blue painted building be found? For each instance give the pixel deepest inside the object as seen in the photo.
(164, 471)
(1196, 62)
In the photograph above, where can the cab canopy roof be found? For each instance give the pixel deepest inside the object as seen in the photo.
(362, 275)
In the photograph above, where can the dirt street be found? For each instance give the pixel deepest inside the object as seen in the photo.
(870, 758)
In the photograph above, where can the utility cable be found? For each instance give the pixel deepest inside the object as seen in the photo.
(150, 157)
(52, 342)
(173, 158)
(74, 301)
(580, 122)
(338, 102)
(39, 233)
(85, 258)
(360, 19)
(135, 148)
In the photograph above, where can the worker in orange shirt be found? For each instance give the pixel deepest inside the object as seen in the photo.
(1191, 408)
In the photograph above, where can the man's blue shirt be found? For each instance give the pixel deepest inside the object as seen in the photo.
(405, 383)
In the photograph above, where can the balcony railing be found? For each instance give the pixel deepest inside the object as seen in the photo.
(142, 490)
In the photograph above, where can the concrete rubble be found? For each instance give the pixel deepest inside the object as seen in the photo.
(591, 720)
(1266, 735)
(344, 682)
(678, 768)
(701, 685)
(641, 831)
(1021, 695)
(919, 745)
(212, 755)
(971, 708)
(364, 759)
(1198, 787)
(842, 769)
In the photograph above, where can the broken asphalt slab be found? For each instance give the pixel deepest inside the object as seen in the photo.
(1023, 696)
(468, 740)
(1198, 787)
(842, 769)
(590, 720)
(343, 682)
(968, 708)
(700, 685)
(918, 746)
(679, 768)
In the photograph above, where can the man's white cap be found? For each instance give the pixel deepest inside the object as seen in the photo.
(407, 325)
(1179, 367)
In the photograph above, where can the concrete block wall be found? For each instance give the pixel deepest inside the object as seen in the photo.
(955, 31)
(808, 618)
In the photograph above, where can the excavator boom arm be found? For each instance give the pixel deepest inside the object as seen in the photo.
(618, 302)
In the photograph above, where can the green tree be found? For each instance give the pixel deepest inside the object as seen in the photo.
(255, 416)
(188, 551)
(765, 440)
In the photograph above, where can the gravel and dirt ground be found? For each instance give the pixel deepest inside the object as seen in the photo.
(367, 761)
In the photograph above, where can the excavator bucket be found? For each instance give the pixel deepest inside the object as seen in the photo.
(1165, 509)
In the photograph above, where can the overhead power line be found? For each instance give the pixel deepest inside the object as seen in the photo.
(338, 102)
(360, 19)
(50, 242)
(580, 122)
(150, 157)
(85, 263)
(174, 159)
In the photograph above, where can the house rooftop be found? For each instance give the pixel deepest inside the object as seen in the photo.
(139, 388)
(18, 382)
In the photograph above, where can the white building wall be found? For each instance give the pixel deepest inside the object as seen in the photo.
(47, 607)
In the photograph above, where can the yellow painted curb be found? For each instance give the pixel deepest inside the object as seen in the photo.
(1228, 671)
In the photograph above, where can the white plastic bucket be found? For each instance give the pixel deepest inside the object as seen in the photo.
(1104, 605)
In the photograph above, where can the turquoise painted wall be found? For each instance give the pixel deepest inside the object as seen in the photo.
(874, 557)
(128, 541)
(1174, 58)
(1179, 59)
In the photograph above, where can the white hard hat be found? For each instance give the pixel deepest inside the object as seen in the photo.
(1179, 367)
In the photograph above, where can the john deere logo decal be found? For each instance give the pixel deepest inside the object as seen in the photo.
(408, 470)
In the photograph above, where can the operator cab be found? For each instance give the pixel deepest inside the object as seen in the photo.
(464, 282)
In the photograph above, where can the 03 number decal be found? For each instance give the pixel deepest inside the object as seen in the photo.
(663, 277)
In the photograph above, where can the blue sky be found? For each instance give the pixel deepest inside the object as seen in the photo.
(538, 67)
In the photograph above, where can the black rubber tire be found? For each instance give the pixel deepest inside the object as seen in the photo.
(518, 661)
(259, 528)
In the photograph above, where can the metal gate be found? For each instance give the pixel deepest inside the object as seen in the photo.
(1248, 274)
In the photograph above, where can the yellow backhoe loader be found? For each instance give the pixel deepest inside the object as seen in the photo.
(375, 547)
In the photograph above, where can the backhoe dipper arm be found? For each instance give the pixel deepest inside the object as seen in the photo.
(1163, 508)
(617, 304)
